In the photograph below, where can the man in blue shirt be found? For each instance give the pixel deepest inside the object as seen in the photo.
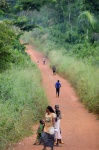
(57, 86)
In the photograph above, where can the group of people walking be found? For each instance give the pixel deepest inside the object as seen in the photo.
(57, 84)
(44, 61)
(49, 132)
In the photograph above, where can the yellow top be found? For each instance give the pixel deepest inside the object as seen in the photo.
(48, 121)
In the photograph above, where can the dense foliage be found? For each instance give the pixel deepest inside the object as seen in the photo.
(9, 46)
(73, 25)
(12, 9)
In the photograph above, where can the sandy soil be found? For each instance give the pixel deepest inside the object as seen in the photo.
(80, 129)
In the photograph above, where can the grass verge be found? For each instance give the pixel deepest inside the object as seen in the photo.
(22, 103)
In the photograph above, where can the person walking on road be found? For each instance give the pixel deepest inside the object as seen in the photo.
(54, 70)
(44, 61)
(57, 86)
(38, 62)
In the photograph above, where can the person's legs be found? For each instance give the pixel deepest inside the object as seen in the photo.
(37, 140)
(61, 142)
(43, 139)
(53, 141)
(44, 148)
(57, 142)
(58, 90)
(43, 62)
(40, 142)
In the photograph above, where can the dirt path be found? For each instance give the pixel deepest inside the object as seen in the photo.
(80, 129)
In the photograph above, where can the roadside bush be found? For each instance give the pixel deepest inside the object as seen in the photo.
(21, 98)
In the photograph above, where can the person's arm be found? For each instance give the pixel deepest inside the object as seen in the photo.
(55, 84)
(60, 85)
(38, 130)
(53, 122)
(53, 119)
(60, 115)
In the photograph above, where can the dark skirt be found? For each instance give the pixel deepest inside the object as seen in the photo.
(48, 139)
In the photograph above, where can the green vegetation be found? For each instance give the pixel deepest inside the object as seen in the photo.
(10, 46)
(21, 97)
(21, 92)
(68, 32)
(19, 12)
(83, 77)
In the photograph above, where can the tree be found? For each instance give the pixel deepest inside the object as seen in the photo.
(13, 8)
(87, 23)
(9, 42)
(92, 6)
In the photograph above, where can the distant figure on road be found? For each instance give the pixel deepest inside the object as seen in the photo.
(54, 70)
(57, 86)
(38, 62)
(44, 61)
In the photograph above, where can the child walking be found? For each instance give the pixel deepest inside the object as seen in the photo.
(39, 131)
(60, 117)
(58, 136)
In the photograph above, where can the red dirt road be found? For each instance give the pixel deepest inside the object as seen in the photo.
(80, 129)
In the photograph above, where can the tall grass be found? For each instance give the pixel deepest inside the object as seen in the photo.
(83, 76)
(22, 103)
